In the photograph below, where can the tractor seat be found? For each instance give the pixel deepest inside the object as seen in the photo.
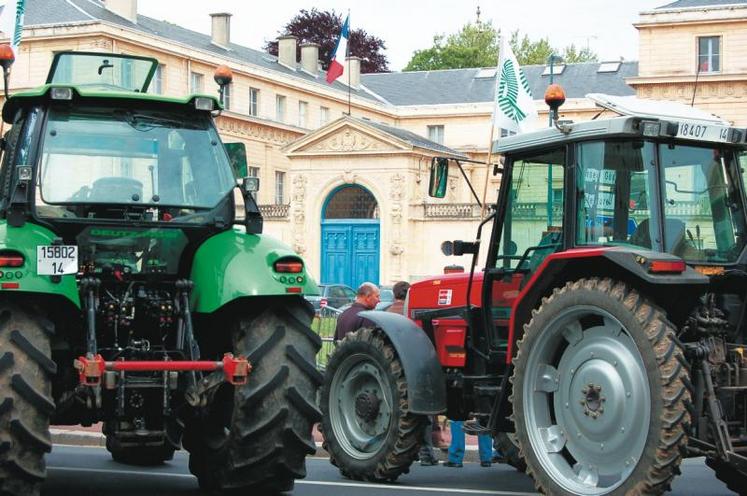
(674, 235)
(116, 190)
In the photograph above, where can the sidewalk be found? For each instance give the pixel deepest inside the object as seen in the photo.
(77, 435)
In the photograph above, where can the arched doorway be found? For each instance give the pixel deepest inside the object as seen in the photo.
(350, 237)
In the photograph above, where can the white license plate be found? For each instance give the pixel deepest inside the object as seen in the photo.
(706, 132)
(56, 260)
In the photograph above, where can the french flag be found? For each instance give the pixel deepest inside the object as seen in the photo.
(336, 67)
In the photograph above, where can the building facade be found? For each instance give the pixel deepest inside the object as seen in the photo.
(344, 168)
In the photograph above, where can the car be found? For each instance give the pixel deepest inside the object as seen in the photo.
(333, 295)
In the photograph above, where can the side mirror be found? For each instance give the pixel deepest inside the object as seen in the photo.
(237, 157)
(439, 177)
(250, 184)
(459, 248)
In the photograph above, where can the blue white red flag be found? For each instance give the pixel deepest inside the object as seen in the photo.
(336, 67)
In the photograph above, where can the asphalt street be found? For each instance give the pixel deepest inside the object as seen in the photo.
(85, 471)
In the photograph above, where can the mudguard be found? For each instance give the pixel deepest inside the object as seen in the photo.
(426, 384)
(234, 264)
(24, 239)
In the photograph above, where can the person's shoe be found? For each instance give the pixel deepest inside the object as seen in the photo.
(426, 462)
(485, 464)
(452, 464)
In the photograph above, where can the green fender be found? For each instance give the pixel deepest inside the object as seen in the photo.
(233, 264)
(24, 240)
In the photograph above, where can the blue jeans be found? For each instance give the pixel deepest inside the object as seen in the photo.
(456, 448)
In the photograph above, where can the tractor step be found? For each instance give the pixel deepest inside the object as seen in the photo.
(91, 370)
(474, 428)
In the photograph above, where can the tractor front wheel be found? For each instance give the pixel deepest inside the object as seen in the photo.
(25, 399)
(367, 428)
(600, 392)
(256, 437)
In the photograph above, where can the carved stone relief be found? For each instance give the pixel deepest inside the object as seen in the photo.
(348, 140)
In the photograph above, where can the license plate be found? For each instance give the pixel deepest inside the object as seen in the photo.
(706, 132)
(56, 260)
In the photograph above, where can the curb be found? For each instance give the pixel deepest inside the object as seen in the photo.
(97, 439)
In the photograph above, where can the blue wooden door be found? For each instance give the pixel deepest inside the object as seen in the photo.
(350, 251)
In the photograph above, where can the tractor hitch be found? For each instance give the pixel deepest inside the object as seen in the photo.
(91, 370)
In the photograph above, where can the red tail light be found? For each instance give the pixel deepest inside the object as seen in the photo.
(11, 259)
(667, 267)
(292, 266)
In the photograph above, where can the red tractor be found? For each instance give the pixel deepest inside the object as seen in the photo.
(606, 329)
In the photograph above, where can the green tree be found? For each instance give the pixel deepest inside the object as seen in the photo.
(476, 45)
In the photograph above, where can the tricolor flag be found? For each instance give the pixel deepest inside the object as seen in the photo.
(514, 105)
(11, 22)
(335, 68)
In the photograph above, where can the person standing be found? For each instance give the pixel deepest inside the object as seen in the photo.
(457, 446)
(367, 297)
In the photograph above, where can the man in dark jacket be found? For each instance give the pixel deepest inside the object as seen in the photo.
(349, 320)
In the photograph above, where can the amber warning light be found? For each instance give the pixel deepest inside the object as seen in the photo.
(554, 96)
(7, 57)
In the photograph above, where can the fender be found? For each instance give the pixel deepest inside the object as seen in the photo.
(426, 384)
(624, 263)
(234, 264)
(24, 240)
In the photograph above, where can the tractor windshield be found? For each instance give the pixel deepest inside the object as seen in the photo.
(96, 157)
(699, 217)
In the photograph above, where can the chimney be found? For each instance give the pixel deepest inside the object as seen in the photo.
(310, 58)
(123, 8)
(287, 51)
(352, 64)
(221, 32)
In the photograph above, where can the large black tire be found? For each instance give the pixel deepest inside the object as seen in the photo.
(25, 399)
(579, 320)
(733, 478)
(509, 449)
(144, 456)
(256, 437)
(398, 446)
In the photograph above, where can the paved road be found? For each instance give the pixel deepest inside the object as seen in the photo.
(91, 472)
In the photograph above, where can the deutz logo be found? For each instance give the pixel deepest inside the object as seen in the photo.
(116, 233)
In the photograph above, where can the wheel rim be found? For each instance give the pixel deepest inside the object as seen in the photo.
(585, 397)
(360, 406)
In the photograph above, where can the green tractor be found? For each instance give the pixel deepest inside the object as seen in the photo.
(133, 294)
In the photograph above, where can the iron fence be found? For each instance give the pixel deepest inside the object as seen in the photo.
(324, 323)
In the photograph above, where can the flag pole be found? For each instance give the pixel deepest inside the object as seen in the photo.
(349, 63)
(492, 133)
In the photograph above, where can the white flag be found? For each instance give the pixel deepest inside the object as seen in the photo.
(514, 105)
(11, 22)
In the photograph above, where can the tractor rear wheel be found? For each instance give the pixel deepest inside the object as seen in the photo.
(726, 473)
(367, 428)
(256, 436)
(599, 392)
(25, 399)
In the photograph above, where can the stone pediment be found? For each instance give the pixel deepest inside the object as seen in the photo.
(346, 136)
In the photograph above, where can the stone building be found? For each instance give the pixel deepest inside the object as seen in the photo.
(348, 192)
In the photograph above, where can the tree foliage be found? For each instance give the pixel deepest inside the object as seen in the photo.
(476, 45)
(323, 27)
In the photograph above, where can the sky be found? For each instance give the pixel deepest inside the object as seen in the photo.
(605, 26)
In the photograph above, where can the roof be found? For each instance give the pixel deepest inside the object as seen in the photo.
(462, 86)
(691, 4)
(411, 138)
(42, 12)
(458, 86)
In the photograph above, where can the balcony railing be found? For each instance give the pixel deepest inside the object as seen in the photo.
(452, 210)
(274, 211)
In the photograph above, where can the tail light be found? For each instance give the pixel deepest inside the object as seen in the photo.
(288, 266)
(667, 266)
(11, 259)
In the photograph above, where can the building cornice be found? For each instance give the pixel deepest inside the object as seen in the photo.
(695, 15)
(687, 78)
